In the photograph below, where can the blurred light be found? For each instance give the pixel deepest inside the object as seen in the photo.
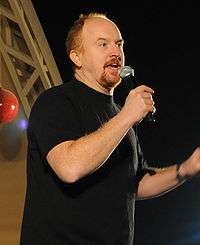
(23, 124)
(13, 107)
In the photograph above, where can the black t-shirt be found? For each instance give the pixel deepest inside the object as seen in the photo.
(99, 208)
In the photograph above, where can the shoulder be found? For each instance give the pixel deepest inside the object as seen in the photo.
(55, 92)
(54, 95)
(53, 100)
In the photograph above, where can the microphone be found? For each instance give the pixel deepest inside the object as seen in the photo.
(126, 72)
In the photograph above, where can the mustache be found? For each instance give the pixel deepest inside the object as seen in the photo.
(114, 60)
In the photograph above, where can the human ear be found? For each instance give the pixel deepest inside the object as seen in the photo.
(74, 56)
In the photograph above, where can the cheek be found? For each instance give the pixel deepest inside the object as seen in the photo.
(94, 61)
(96, 64)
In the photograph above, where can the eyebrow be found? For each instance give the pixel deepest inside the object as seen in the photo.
(104, 39)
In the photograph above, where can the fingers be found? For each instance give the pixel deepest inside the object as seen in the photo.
(146, 94)
(151, 108)
(196, 152)
(144, 88)
(148, 100)
(140, 102)
(144, 91)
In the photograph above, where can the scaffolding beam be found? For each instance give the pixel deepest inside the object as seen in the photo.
(26, 52)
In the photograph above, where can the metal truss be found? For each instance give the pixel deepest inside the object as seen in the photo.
(25, 51)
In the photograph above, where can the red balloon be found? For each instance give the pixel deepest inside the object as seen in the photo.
(9, 105)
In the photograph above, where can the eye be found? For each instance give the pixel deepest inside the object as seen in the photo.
(102, 44)
(120, 44)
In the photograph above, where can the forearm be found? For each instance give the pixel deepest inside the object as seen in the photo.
(161, 182)
(88, 153)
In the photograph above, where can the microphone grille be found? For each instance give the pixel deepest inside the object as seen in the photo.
(126, 71)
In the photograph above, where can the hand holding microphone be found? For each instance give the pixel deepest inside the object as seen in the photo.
(140, 98)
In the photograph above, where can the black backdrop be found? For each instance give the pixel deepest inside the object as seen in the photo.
(161, 45)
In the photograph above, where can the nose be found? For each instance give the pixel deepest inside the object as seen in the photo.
(116, 51)
(115, 56)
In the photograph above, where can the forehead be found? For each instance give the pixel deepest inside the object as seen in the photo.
(98, 27)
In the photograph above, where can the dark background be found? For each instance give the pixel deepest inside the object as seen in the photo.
(161, 45)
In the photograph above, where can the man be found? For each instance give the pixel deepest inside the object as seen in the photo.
(85, 167)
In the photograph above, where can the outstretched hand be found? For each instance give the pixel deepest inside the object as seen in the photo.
(191, 167)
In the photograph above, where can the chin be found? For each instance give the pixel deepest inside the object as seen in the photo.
(109, 81)
(110, 85)
(114, 82)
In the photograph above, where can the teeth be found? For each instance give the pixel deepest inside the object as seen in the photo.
(113, 65)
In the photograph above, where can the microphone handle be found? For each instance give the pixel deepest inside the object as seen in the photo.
(150, 117)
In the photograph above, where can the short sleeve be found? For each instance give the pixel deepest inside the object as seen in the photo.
(53, 120)
(143, 166)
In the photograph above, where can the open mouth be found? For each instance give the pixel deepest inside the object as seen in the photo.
(113, 66)
(113, 69)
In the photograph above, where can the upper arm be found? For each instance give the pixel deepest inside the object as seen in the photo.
(54, 123)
